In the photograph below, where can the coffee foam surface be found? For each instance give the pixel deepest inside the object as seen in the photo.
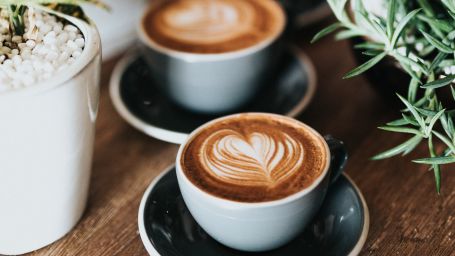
(213, 26)
(254, 159)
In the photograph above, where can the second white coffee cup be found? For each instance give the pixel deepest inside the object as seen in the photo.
(215, 82)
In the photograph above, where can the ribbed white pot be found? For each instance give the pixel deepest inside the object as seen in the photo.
(46, 145)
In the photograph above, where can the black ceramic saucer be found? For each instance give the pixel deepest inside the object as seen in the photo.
(141, 104)
(168, 229)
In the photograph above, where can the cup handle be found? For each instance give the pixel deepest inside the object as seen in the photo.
(338, 159)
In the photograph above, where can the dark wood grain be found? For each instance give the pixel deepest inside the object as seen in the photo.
(407, 216)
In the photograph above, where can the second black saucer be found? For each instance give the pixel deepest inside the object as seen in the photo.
(139, 101)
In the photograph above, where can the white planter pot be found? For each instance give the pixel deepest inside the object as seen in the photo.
(46, 144)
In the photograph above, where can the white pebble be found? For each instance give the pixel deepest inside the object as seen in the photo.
(30, 43)
(71, 28)
(71, 45)
(80, 42)
(37, 56)
(76, 54)
(72, 35)
(16, 39)
(45, 28)
(17, 60)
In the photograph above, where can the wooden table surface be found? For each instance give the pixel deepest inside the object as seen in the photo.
(407, 216)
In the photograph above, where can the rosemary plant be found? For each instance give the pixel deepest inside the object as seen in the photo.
(16, 10)
(419, 35)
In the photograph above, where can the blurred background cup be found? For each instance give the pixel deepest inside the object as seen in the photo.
(46, 147)
(211, 83)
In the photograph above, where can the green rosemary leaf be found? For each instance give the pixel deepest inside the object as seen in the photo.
(445, 124)
(412, 146)
(452, 14)
(410, 120)
(359, 8)
(365, 66)
(399, 122)
(421, 102)
(380, 28)
(436, 43)
(426, 112)
(372, 52)
(436, 160)
(411, 143)
(410, 72)
(346, 34)
(372, 25)
(391, 17)
(401, 130)
(451, 35)
(370, 46)
(439, 83)
(412, 90)
(445, 140)
(436, 23)
(337, 7)
(324, 32)
(410, 62)
(450, 4)
(436, 167)
(400, 27)
(453, 92)
(437, 60)
(451, 128)
(446, 63)
(413, 111)
(433, 122)
(426, 7)
(447, 152)
(437, 177)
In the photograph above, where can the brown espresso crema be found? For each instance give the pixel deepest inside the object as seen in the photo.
(254, 158)
(212, 26)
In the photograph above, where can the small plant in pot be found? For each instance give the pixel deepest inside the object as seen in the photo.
(50, 57)
(416, 38)
(36, 30)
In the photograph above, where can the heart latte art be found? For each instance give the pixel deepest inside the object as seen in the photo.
(254, 157)
(257, 159)
(213, 26)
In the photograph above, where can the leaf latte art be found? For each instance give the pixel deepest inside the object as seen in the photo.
(254, 157)
(258, 159)
(213, 26)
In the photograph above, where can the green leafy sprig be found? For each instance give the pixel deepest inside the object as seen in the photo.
(17, 8)
(419, 36)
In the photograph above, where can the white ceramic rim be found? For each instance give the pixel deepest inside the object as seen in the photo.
(178, 137)
(313, 15)
(211, 57)
(366, 220)
(91, 49)
(125, 113)
(153, 252)
(230, 203)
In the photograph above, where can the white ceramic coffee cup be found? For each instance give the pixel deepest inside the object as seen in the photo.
(260, 226)
(211, 83)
